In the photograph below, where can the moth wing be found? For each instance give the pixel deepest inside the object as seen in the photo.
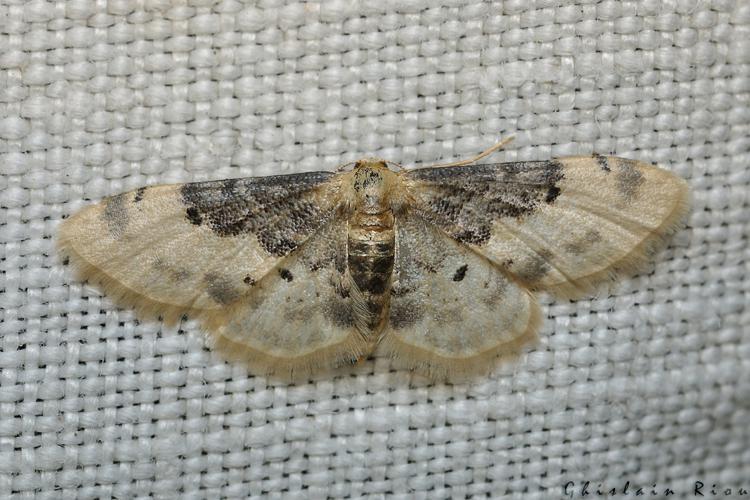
(196, 247)
(299, 317)
(452, 311)
(563, 225)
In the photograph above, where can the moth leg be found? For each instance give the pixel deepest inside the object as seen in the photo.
(483, 154)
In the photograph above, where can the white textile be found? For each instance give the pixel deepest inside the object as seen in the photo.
(649, 385)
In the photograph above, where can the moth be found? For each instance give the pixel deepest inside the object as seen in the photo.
(436, 267)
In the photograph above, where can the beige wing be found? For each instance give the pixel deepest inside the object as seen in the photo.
(452, 311)
(199, 247)
(563, 225)
(299, 317)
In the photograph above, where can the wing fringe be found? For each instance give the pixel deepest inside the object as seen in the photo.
(293, 369)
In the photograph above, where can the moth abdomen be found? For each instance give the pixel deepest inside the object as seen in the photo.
(370, 254)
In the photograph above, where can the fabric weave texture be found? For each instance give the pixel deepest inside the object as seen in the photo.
(646, 386)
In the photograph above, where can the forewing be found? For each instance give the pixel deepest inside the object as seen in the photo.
(299, 317)
(563, 225)
(452, 310)
(200, 246)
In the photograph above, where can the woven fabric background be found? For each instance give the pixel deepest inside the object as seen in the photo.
(649, 385)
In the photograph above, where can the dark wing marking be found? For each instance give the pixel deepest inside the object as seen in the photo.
(201, 246)
(281, 210)
(464, 201)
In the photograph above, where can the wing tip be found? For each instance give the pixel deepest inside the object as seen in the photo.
(638, 259)
(68, 242)
(118, 293)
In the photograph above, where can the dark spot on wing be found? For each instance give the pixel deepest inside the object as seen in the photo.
(285, 274)
(282, 211)
(460, 273)
(535, 268)
(139, 194)
(552, 193)
(405, 313)
(592, 236)
(220, 288)
(66, 260)
(337, 309)
(116, 215)
(318, 263)
(464, 201)
(180, 274)
(495, 289)
(603, 162)
(580, 245)
(194, 216)
(248, 280)
(175, 274)
(447, 314)
(476, 235)
(629, 178)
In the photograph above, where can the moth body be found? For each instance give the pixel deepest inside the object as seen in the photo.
(371, 244)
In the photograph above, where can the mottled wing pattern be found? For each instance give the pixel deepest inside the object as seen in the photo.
(452, 310)
(562, 225)
(200, 246)
(300, 316)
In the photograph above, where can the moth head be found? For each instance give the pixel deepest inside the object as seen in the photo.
(371, 185)
(369, 175)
